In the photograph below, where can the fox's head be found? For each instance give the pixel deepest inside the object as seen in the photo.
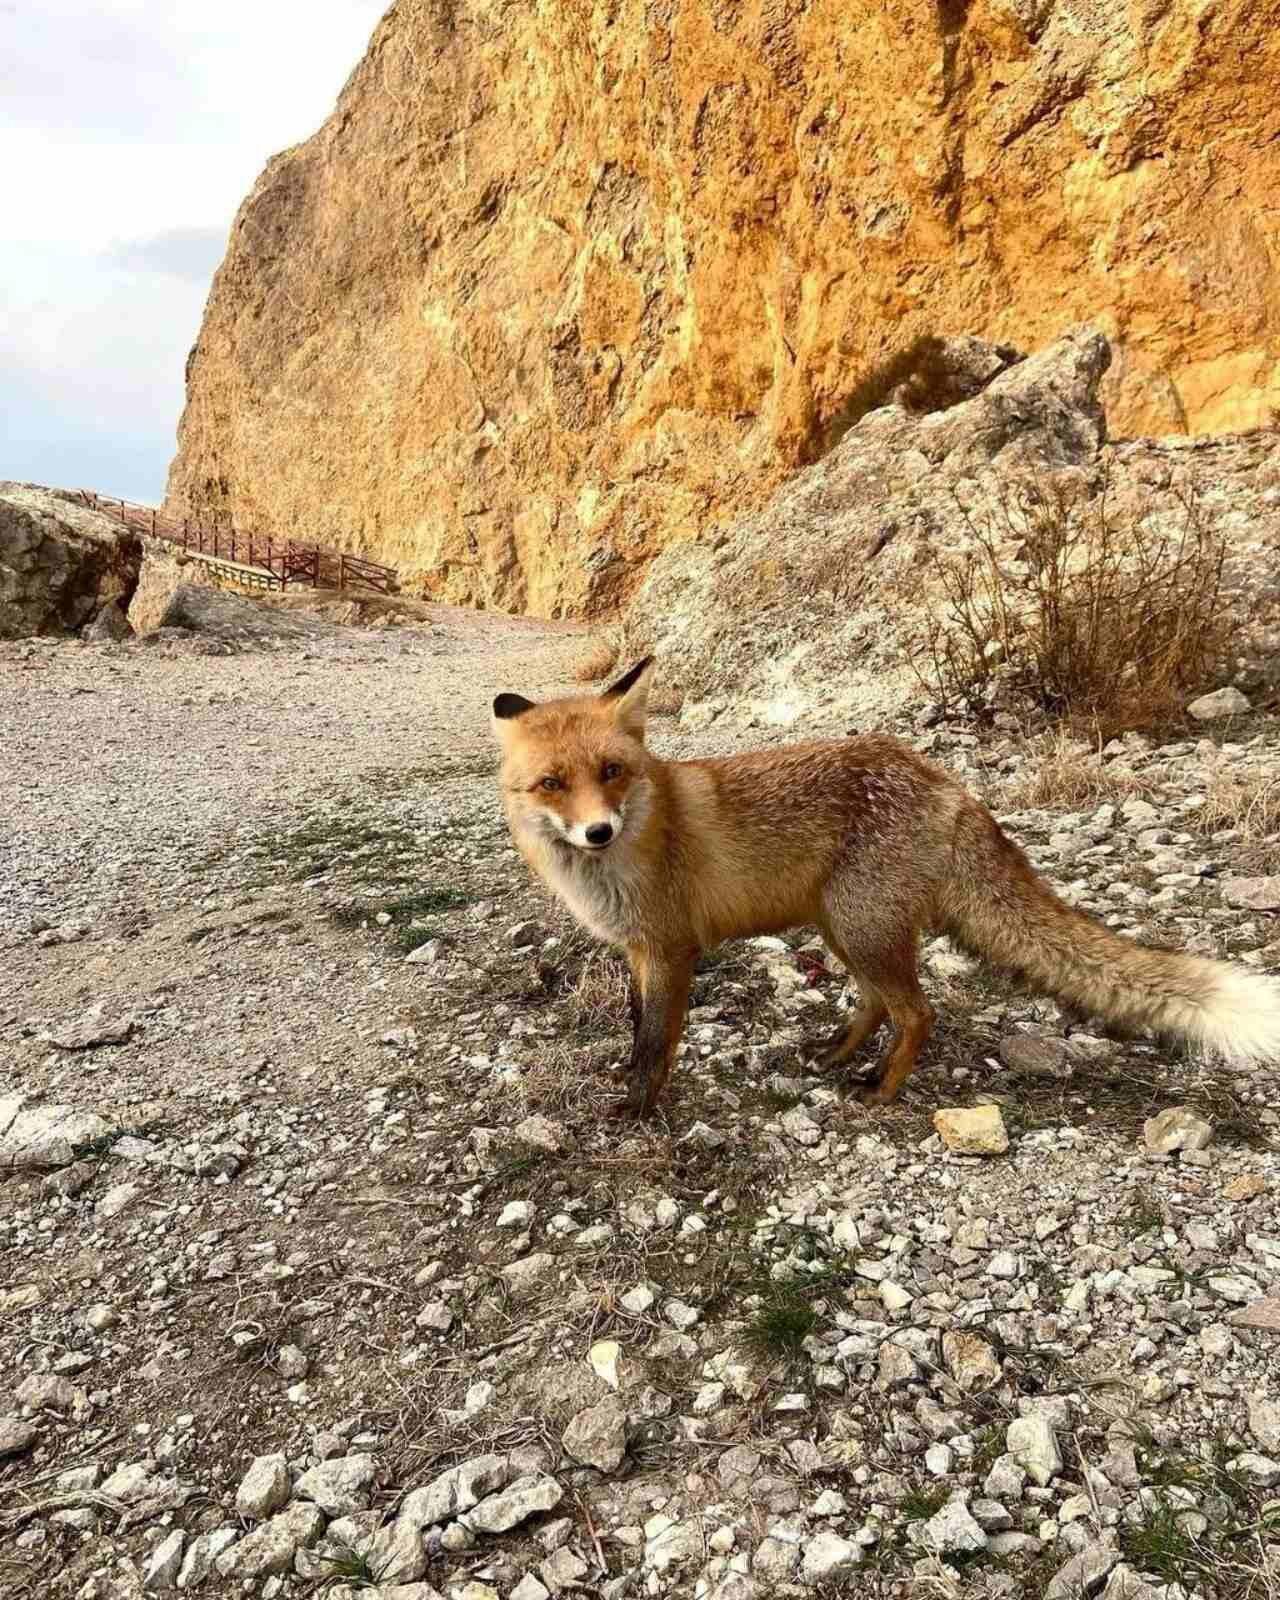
(576, 770)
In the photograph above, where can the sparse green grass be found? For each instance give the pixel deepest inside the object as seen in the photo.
(781, 1323)
(350, 1567)
(425, 902)
(989, 1447)
(1236, 1556)
(785, 1316)
(923, 1501)
(404, 927)
(357, 840)
(1157, 1545)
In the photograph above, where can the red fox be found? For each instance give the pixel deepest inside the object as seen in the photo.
(861, 837)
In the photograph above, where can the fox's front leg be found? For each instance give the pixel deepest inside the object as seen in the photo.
(662, 979)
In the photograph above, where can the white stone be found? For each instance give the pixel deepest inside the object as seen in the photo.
(1033, 1444)
(264, 1489)
(951, 1531)
(825, 1555)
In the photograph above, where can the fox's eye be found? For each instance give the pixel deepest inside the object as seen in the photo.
(551, 783)
(611, 771)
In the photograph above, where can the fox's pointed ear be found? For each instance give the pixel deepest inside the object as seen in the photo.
(629, 697)
(506, 708)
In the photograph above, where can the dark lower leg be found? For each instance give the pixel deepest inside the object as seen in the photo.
(866, 1021)
(663, 984)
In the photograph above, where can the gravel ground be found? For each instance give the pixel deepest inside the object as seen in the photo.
(322, 1269)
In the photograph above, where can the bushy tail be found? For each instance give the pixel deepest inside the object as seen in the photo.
(999, 909)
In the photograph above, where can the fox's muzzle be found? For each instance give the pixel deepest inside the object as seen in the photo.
(596, 835)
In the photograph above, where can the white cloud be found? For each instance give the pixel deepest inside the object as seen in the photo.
(130, 130)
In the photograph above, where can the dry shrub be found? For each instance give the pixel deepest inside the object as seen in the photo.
(559, 1080)
(1251, 806)
(1069, 776)
(597, 661)
(1090, 614)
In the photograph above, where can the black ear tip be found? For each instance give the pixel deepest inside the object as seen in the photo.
(628, 679)
(510, 705)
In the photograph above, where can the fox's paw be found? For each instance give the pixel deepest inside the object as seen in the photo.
(629, 1110)
(824, 1052)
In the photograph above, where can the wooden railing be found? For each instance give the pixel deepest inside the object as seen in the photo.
(251, 558)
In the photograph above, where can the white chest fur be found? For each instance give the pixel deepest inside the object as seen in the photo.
(599, 891)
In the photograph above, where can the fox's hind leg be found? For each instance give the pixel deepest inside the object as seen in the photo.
(879, 948)
(866, 1021)
(893, 972)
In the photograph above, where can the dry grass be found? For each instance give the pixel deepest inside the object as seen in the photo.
(1250, 805)
(597, 661)
(597, 1002)
(1088, 613)
(563, 1081)
(1069, 775)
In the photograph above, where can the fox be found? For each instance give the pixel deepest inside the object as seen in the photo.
(864, 839)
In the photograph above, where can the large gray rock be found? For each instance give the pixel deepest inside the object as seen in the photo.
(1176, 1128)
(598, 1436)
(339, 1486)
(1252, 894)
(1228, 702)
(201, 1554)
(456, 1490)
(809, 607)
(231, 622)
(16, 1436)
(272, 1546)
(60, 563)
(264, 1489)
(1033, 1444)
(110, 626)
(47, 1391)
(1264, 1420)
(165, 1562)
(951, 1531)
(1084, 1573)
(826, 1555)
(91, 1029)
(45, 1136)
(516, 1503)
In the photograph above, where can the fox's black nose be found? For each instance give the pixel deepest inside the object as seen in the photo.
(600, 833)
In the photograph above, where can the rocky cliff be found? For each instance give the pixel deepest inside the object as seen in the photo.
(558, 284)
(61, 564)
(817, 603)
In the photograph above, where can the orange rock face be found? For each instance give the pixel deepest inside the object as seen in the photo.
(559, 284)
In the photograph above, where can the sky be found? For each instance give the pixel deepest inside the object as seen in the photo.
(130, 130)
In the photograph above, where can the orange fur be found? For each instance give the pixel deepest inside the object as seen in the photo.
(862, 838)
